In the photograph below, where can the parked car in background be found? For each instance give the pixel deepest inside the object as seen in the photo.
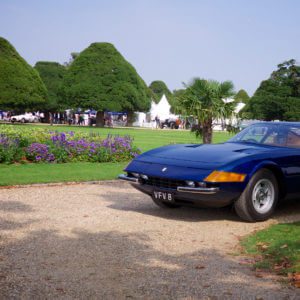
(172, 123)
(25, 118)
(252, 171)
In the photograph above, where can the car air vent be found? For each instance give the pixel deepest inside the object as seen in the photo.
(241, 150)
(193, 146)
(246, 150)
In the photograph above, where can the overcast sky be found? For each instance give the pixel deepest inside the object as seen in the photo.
(169, 40)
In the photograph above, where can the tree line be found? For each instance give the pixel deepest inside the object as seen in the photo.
(100, 78)
(278, 97)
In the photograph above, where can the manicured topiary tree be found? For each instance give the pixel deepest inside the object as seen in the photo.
(158, 88)
(21, 87)
(241, 97)
(100, 78)
(52, 74)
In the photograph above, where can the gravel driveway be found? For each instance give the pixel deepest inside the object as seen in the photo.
(109, 241)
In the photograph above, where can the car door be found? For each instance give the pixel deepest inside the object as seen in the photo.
(292, 160)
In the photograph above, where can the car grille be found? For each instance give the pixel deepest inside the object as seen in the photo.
(164, 182)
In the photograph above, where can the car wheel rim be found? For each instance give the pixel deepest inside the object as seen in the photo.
(263, 196)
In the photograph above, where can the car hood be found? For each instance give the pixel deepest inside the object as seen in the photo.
(194, 162)
(201, 155)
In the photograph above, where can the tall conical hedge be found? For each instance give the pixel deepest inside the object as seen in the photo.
(100, 78)
(52, 74)
(241, 96)
(21, 87)
(158, 89)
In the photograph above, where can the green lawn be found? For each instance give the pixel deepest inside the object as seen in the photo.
(277, 246)
(145, 139)
(44, 173)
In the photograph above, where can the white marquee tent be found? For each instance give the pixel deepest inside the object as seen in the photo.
(162, 110)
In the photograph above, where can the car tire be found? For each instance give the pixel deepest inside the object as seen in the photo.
(165, 204)
(259, 199)
(23, 120)
(172, 125)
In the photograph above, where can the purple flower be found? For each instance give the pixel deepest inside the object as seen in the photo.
(38, 152)
(66, 146)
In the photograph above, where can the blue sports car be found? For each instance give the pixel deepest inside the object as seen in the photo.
(252, 171)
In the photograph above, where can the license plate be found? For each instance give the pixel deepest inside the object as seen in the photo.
(165, 196)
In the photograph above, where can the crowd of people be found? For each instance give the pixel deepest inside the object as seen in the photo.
(67, 117)
(88, 118)
(71, 118)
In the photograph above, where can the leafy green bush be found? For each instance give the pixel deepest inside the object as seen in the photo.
(10, 150)
(20, 85)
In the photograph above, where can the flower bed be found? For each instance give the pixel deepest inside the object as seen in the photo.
(39, 145)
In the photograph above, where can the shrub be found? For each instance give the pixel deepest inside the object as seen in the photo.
(41, 145)
(10, 150)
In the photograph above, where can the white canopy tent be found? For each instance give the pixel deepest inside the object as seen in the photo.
(162, 109)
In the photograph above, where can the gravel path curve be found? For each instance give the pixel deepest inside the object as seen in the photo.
(109, 241)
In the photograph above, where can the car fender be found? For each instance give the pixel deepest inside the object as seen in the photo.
(275, 169)
(265, 164)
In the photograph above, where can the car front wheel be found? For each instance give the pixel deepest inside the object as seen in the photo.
(172, 125)
(259, 199)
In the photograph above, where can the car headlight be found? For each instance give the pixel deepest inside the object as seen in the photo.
(190, 183)
(221, 176)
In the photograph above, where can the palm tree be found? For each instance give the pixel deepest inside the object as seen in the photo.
(204, 99)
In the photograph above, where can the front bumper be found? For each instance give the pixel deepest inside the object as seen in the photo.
(189, 196)
(127, 178)
(185, 189)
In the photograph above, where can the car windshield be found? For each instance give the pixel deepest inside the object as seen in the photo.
(282, 135)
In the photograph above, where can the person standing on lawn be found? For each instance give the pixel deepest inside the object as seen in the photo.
(157, 122)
